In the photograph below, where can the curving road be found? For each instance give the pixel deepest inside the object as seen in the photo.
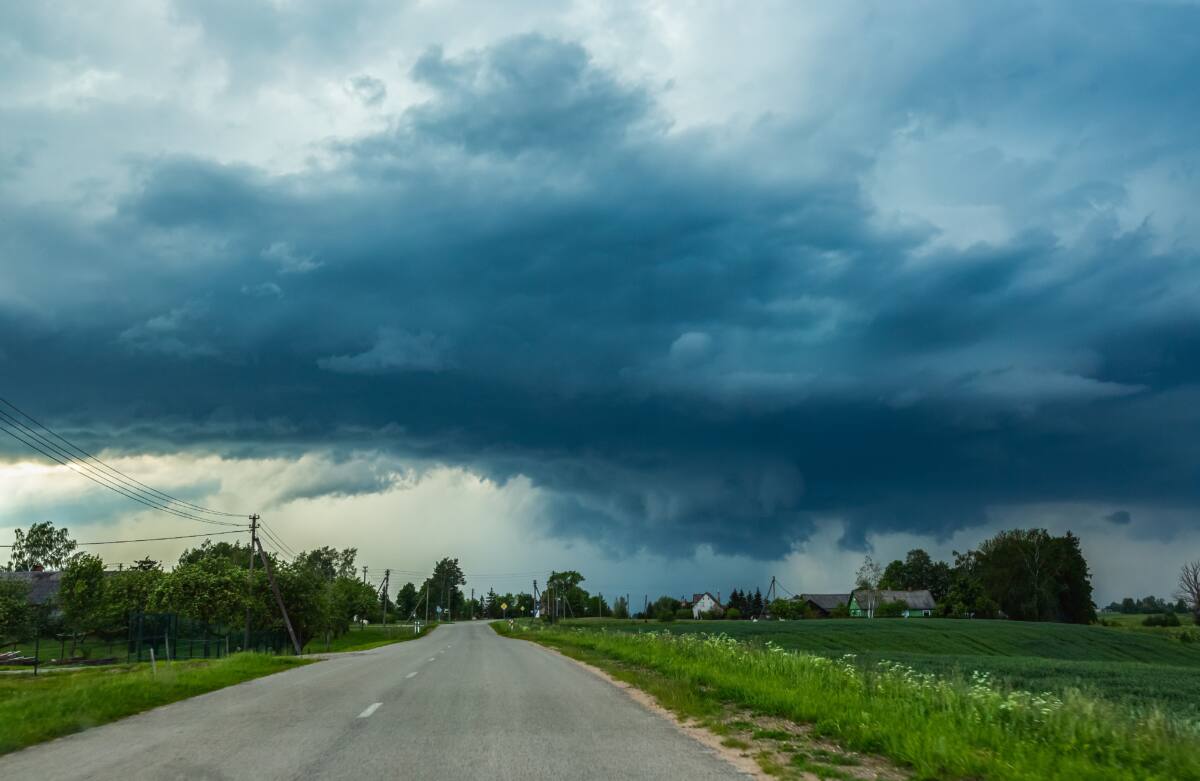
(461, 703)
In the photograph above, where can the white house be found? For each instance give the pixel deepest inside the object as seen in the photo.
(703, 603)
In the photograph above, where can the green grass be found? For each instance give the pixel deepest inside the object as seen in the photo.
(366, 638)
(943, 728)
(49, 706)
(1135, 669)
(87, 648)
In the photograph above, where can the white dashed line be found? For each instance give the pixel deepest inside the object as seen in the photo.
(370, 709)
(411, 675)
(432, 659)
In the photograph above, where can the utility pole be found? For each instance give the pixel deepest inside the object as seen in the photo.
(250, 580)
(472, 604)
(383, 591)
(768, 598)
(278, 597)
(364, 573)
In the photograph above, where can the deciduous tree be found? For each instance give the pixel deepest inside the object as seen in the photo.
(1189, 587)
(42, 546)
(15, 615)
(81, 593)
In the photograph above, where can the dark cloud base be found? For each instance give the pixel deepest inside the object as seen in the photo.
(497, 281)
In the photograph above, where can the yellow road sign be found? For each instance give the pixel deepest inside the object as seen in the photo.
(504, 606)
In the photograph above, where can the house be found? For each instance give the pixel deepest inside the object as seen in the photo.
(824, 604)
(704, 603)
(864, 603)
(43, 586)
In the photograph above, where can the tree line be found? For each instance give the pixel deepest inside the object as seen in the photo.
(1147, 604)
(1023, 574)
(210, 583)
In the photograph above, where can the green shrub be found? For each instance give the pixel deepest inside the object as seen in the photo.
(891, 609)
(733, 614)
(683, 613)
(1161, 619)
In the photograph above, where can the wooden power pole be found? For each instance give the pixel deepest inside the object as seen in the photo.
(278, 597)
(250, 587)
(383, 593)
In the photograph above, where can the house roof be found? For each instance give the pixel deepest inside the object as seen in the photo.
(827, 601)
(697, 597)
(916, 600)
(43, 586)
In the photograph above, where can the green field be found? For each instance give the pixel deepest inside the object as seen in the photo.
(365, 638)
(36, 709)
(946, 726)
(1136, 669)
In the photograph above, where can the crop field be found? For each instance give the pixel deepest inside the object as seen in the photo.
(1142, 670)
(939, 726)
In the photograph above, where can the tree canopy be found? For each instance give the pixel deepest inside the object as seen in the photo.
(42, 546)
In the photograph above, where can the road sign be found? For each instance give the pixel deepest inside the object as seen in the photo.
(504, 606)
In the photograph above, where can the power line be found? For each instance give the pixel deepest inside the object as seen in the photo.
(108, 484)
(150, 539)
(276, 538)
(275, 549)
(111, 469)
(280, 548)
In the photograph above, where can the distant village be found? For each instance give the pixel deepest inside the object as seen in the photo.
(860, 603)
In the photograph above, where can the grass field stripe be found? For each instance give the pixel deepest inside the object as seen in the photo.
(370, 709)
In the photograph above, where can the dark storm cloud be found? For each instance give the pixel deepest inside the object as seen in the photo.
(685, 337)
(1120, 518)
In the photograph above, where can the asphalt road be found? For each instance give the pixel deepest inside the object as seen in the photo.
(461, 703)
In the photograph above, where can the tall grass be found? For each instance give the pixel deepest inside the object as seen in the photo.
(940, 727)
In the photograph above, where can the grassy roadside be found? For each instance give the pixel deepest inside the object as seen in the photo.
(366, 638)
(936, 728)
(1127, 668)
(33, 710)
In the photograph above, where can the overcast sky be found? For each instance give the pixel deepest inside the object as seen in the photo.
(678, 295)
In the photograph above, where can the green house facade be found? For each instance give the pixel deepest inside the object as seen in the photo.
(920, 602)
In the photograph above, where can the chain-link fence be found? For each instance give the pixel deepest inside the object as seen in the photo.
(160, 636)
(172, 636)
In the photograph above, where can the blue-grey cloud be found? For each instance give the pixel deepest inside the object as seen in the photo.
(1120, 518)
(367, 89)
(685, 335)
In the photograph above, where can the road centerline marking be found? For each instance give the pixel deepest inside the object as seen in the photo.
(370, 709)
(411, 675)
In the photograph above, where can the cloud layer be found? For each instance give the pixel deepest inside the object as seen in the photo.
(909, 274)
